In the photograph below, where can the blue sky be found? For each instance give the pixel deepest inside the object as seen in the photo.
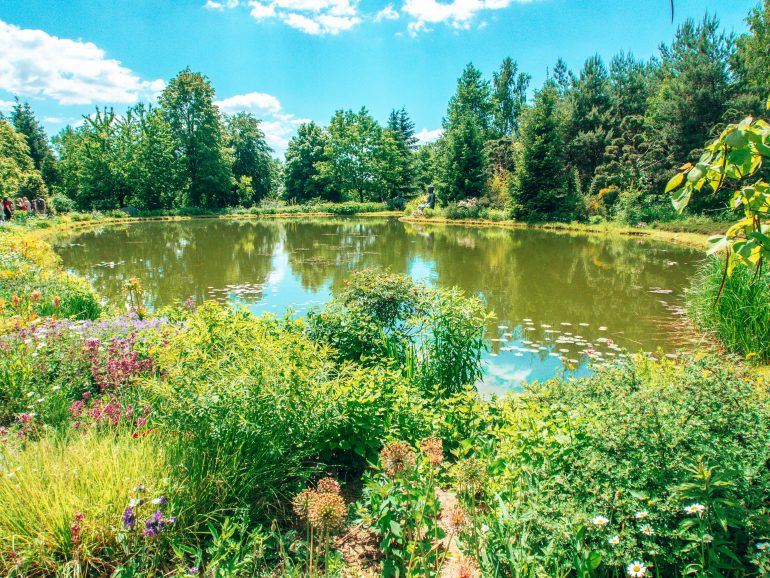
(290, 60)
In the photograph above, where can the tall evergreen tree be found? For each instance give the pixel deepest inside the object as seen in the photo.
(752, 60)
(196, 126)
(586, 133)
(40, 149)
(250, 152)
(692, 88)
(465, 162)
(472, 100)
(543, 189)
(401, 129)
(509, 96)
(302, 178)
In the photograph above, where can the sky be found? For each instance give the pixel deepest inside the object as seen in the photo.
(289, 61)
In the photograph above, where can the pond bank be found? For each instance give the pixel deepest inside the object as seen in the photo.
(685, 238)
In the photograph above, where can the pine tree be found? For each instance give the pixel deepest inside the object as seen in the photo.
(40, 150)
(509, 96)
(472, 100)
(543, 189)
(465, 162)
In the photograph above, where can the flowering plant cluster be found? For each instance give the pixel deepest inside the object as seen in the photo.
(104, 412)
(154, 524)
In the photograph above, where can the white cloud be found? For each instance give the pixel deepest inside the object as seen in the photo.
(220, 5)
(277, 125)
(426, 136)
(36, 64)
(316, 17)
(257, 102)
(6, 105)
(387, 13)
(457, 13)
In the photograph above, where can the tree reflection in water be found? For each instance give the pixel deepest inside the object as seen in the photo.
(542, 286)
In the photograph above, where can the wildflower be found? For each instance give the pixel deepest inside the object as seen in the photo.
(192, 571)
(470, 475)
(129, 518)
(614, 540)
(15, 300)
(708, 538)
(762, 546)
(156, 523)
(160, 501)
(641, 515)
(328, 486)
(695, 509)
(327, 512)
(395, 457)
(35, 296)
(433, 450)
(600, 521)
(301, 502)
(647, 530)
(455, 519)
(56, 301)
(76, 529)
(636, 569)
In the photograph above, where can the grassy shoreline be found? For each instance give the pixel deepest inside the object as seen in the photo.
(686, 238)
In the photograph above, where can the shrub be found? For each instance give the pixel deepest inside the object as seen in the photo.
(741, 316)
(623, 453)
(253, 407)
(435, 336)
(61, 204)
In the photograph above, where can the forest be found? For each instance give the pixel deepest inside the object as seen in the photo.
(594, 144)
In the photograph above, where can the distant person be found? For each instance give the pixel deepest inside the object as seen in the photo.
(7, 209)
(28, 206)
(39, 206)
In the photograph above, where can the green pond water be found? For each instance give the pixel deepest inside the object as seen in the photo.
(562, 302)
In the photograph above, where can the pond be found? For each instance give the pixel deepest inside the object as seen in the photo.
(562, 302)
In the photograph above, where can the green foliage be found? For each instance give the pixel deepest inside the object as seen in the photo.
(302, 179)
(188, 106)
(436, 336)
(399, 501)
(251, 156)
(574, 463)
(733, 162)
(740, 318)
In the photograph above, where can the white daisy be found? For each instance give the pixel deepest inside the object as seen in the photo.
(615, 540)
(636, 569)
(695, 509)
(600, 521)
(641, 514)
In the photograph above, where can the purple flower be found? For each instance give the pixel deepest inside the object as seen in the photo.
(129, 518)
(160, 501)
(192, 570)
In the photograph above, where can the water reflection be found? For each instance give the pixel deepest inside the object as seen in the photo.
(559, 299)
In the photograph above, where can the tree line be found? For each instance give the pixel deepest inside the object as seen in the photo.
(596, 143)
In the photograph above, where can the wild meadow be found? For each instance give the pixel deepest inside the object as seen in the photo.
(204, 440)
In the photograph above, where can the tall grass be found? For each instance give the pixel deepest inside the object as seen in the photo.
(45, 483)
(741, 316)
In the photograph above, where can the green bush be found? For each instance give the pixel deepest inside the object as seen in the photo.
(741, 316)
(61, 204)
(435, 336)
(602, 470)
(253, 408)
